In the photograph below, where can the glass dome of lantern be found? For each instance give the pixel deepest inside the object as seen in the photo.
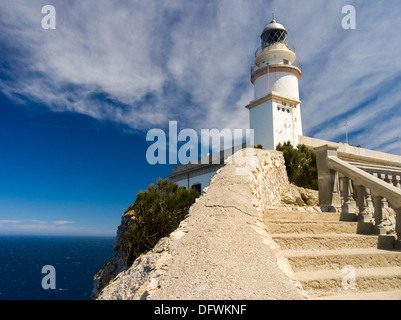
(274, 32)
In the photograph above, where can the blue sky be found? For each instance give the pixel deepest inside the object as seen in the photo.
(76, 102)
(66, 173)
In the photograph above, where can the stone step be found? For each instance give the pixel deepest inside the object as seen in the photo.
(331, 282)
(271, 215)
(315, 260)
(324, 241)
(311, 226)
(377, 295)
(318, 246)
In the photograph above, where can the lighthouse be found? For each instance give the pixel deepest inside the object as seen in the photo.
(275, 112)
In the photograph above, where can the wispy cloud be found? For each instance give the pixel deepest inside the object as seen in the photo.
(143, 64)
(63, 222)
(9, 221)
(64, 227)
(350, 75)
(140, 65)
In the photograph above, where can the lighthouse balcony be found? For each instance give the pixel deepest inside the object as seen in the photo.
(273, 67)
(294, 68)
(275, 46)
(255, 68)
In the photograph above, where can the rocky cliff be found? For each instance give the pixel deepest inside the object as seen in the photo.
(222, 250)
(115, 265)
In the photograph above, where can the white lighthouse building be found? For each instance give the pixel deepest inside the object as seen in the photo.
(275, 113)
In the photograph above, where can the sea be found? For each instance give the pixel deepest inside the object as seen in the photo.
(73, 262)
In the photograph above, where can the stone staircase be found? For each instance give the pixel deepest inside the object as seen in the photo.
(330, 260)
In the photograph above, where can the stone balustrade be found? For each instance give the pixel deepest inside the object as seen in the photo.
(360, 191)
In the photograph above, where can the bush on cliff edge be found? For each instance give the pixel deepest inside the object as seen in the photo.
(157, 212)
(300, 164)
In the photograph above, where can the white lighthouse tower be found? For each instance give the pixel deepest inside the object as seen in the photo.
(275, 113)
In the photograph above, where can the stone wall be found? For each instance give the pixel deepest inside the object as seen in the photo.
(269, 178)
(221, 250)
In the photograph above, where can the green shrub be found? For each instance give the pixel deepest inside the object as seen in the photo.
(301, 165)
(157, 212)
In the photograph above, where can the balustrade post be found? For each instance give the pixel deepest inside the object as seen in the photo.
(369, 198)
(378, 216)
(384, 200)
(347, 209)
(388, 178)
(362, 204)
(396, 181)
(398, 227)
(364, 219)
(329, 193)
